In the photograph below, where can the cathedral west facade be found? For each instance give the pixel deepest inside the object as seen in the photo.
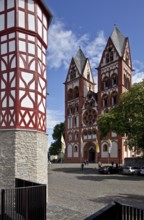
(83, 105)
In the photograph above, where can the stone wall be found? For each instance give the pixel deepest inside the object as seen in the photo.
(7, 159)
(23, 155)
(31, 156)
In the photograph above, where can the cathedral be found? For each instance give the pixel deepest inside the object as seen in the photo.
(83, 105)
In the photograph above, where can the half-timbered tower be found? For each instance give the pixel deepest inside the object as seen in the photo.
(23, 43)
(83, 105)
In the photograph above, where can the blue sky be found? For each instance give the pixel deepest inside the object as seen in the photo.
(88, 24)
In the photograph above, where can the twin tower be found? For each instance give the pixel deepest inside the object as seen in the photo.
(83, 105)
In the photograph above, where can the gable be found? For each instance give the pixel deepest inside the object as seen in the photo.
(87, 72)
(127, 55)
(73, 72)
(109, 55)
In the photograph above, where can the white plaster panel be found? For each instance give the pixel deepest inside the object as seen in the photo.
(45, 35)
(69, 151)
(22, 3)
(26, 102)
(4, 48)
(43, 58)
(3, 66)
(23, 36)
(10, 4)
(24, 56)
(30, 59)
(13, 63)
(30, 5)
(11, 46)
(21, 19)
(5, 58)
(39, 44)
(10, 19)
(33, 65)
(32, 95)
(39, 98)
(21, 63)
(31, 22)
(27, 77)
(39, 28)
(41, 108)
(21, 84)
(21, 94)
(22, 124)
(42, 83)
(31, 38)
(31, 125)
(3, 38)
(2, 5)
(39, 53)
(12, 35)
(44, 74)
(13, 83)
(39, 69)
(32, 86)
(31, 48)
(11, 123)
(27, 118)
(11, 102)
(39, 12)
(11, 74)
(22, 46)
(1, 22)
(44, 21)
(3, 85)
(4, 103)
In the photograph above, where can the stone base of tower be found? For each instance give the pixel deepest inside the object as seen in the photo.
(23, 155)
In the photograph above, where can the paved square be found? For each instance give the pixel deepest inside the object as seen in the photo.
(75, 194)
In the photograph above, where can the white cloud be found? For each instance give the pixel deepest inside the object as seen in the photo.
(64, 43)
(95, 48)
(138, 77)
(138, 74)
(54, 117)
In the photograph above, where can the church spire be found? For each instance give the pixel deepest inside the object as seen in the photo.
(80, 60)
(118, 40)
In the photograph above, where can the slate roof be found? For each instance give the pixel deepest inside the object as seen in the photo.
(47, 9)
(118, 40)
(80, 60)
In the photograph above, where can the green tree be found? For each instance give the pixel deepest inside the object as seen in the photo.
(55, 147)
(127, 118)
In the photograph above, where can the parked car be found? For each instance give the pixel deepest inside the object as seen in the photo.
(136, 170)
(141, 172)
(109, 170)
(131, 170)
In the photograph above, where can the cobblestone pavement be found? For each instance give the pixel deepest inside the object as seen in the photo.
(74, 194)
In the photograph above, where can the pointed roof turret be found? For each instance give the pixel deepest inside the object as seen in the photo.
(80, 60)
(118, 40)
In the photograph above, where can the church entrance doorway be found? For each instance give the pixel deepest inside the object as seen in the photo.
(91, 155)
